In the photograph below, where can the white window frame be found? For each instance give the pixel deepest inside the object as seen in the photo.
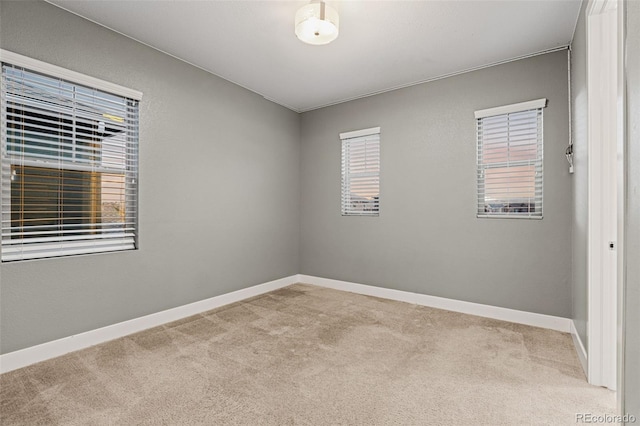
(369, 159)
(66, 247)
(537, 105)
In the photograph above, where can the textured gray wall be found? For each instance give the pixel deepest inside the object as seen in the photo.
(580, 176)
(632, 231)
(219, 185)
(229, 217)
(427, 238)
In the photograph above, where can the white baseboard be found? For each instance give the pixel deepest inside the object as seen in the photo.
(23, 357)
(580, 350)
(488, 311)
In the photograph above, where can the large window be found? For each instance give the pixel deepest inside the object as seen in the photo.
(509, 166)
(69, 162)
(361, 172)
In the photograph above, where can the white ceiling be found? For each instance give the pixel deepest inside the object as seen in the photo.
(382, 44)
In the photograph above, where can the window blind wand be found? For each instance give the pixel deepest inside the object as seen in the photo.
(569, 154)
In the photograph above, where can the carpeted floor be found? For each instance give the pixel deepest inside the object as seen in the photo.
(313, 356)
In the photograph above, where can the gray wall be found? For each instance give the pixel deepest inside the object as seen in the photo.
(230, 216)
(219, 185)
(632, 231)
(427, 238)
(580, 177)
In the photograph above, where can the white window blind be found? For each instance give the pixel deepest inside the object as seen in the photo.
(69, 166)
(509, 162)
(361, 172)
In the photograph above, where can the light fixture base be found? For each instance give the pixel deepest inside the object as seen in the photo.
(317, 23)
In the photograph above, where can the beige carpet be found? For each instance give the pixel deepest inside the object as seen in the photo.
(313, 356)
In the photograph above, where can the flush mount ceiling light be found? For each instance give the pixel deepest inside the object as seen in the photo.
(317, 23)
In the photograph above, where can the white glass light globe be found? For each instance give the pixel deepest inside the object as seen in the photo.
(312, 28)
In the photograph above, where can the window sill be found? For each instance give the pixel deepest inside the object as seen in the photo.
(507, 216)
